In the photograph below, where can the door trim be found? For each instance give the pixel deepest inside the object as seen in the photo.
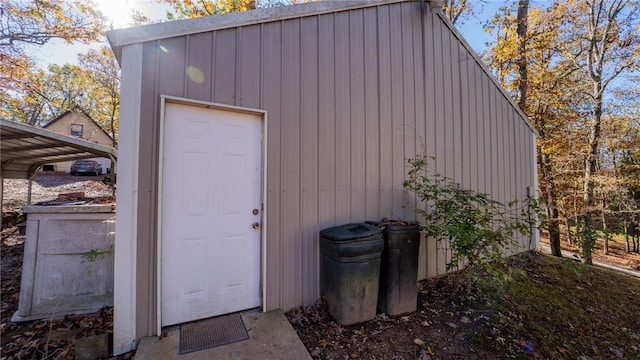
(164, 99)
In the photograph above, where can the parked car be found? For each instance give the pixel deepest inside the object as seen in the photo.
(90, 167)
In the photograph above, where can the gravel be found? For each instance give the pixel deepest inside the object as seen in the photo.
(47, 186)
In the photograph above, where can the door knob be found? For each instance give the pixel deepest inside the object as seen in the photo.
(255, 225)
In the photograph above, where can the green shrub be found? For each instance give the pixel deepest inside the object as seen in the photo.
(479, 229)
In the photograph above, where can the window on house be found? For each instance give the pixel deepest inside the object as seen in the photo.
(76, 130)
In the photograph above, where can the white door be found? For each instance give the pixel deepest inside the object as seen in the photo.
(210, 234)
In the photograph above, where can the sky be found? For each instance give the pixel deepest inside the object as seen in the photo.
(118, 14)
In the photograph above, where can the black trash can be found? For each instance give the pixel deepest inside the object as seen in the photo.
(398, 293)
(351, 270)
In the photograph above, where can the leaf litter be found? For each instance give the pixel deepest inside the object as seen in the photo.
(550, 309)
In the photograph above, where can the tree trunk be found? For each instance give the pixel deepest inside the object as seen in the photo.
(575, 214)
(554, 232)
(604, 227)
(626, 237)
(567, 226)
(547, 188)
(590, 168)
(521, 63)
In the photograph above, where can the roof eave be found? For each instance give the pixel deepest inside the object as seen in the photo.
(139, 34)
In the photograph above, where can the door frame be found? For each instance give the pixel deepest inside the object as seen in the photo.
(166, 99)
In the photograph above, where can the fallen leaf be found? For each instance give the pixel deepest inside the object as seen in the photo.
(324, 343)
(452, 325)
(617, 352)
(425, 323)
(424, 355)
(418, 342)
(465, 320)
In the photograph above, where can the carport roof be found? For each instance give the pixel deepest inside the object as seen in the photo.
(24, 148)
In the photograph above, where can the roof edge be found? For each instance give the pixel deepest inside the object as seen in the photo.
(122, 37)
(486, 69)
(84, 144)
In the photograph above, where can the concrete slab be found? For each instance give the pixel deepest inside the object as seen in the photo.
(271, 337)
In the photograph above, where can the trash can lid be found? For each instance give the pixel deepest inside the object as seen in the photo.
(350, 231)
(395, 225)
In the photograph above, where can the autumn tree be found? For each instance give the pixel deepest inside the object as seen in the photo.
(602, 40)
(185, 9)
(458, 10)
(93, 85)
(27, 23)
(558, 68)
(524, 59)
(101, 68)
(623, 156)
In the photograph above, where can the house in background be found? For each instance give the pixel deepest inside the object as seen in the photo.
(248, 133)
(77, 123)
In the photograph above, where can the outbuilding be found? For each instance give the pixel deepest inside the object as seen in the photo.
(242, 135)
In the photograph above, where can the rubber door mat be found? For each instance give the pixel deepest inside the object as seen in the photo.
(212, 332)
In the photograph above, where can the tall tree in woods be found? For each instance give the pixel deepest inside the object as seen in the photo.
(602, 40)
(623, 151)
(521, 34)
(524, 58)
(559, 69)
(30, 23)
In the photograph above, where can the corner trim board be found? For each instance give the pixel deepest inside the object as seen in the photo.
(124, 317)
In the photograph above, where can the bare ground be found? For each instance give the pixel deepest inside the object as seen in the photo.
(48, 338)
(550, 309)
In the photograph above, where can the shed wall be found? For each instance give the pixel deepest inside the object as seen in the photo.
(349, 95)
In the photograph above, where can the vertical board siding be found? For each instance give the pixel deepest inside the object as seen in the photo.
(371, 114)
(427, 260)
(349, 97)
(465, 123)
(326, 123)
(224, 66)
(357, 115)
(146, 299)
(385, 108)
(407, 135)
(309, 202)
(198, 71)
(397, 111)
(290, 235)
(342, 117)
(439, 58)
(270, 99)
(250, 48)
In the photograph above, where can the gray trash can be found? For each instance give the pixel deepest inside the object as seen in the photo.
(351, 270)
(398, 293)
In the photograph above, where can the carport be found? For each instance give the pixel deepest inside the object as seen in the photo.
(24, 149)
